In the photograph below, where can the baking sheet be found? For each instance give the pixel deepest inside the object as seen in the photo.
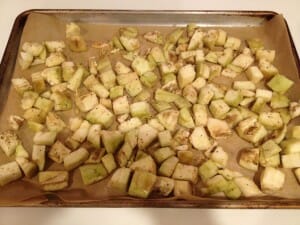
(40, 27)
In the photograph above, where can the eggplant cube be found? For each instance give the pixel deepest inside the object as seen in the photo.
(92, 173)
(200, 114)
(168, 166)
(130, 44)
(251, 130)
(248, 187)
(121, 105)
(162, 154)
(108, 78)
(58, 152)
(44, 138)
(53, 180)
(271, 120)
(157, 54)
(9, 172)
(232, 191)
(86, 102)
(295, 132)
(140, 110)
(270, 148)
(21, 152)
(207, 170)
(146, 135)
(112, 140)
(130, 124)
(185, 118)
(165, 96)
(186, 172)
(164, 185)
(272, 161)
(200, 139)
(265, 94)
(233, 117)
(218, 129)
(134, 87)
(233, 42)
(243, 61)
(165, 138)
(140, 65)
(100, 115)
(144, 163)
(52, 75)
(39, 156)
(233, 98)
(216, 184)
(54, 122)
(75, 159)
(219, 108)
(219, 156)
(186, 75)
(141, 184)
(116, 91)
(109, 162)
(168, 119)
(61, 101)
(8, 142)
(119, 181)
(249, 159)
(291, 160)
(55, 59)
(254, 74)
(280, 83)
(29, 168)
(272, 179)
(82, 132)
(182, 189)
(279, 101)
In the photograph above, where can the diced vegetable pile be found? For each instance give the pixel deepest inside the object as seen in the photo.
(150, 122)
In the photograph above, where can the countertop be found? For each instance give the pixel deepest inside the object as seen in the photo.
(147, 216)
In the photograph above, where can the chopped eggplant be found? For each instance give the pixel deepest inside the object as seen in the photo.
(162, 154)
(54, 122)
(199, 139)
(86, 102)
(92, 173)
(29, 168)
(112, 140)
(119, 181)
(100, 115)
(58, 152)
(165, 138)
(186, 172)
(272, 179)
(218, 128)
(249, 159)
(109, 162)
(146, 135)
(39, 156)
(168, 119)
(280, 84)
(248, 187)
(9, 172)
(75, 159)
(141, 184)
(9, 142)
(207, 170)
(53, 180)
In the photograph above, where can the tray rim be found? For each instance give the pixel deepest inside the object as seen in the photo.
(155, 203)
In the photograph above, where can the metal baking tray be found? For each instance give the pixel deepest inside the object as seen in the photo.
(205, 19)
